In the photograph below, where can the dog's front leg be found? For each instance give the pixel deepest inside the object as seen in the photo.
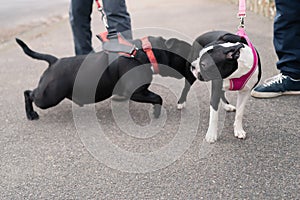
(189, 80)
(216, 93)
(242, 99)
(212, 131)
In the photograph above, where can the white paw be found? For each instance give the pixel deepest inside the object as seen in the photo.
(211, 137)
(240, 133)
(229, 107)
(180, 106)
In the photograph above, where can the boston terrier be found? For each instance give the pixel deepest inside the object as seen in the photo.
(231, 63)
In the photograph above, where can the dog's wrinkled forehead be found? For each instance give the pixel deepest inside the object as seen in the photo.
(213, 46)
(205, 50)
(229, 44)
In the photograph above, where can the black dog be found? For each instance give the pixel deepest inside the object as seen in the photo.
(89, 79)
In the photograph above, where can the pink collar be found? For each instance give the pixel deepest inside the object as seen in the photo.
(239, 83)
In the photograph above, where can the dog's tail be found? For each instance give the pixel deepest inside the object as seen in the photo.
(49, 58)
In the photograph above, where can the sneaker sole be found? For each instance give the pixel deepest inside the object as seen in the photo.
(272, 94)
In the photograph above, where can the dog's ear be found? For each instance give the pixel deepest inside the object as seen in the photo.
(170, 43)
(194, 53)
(178, 47)
(233, 53)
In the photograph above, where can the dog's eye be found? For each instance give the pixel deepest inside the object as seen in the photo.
(193, 67)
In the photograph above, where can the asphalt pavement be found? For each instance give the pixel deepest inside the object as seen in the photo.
(116, 150)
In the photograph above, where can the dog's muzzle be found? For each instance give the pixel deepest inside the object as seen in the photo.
(196, 72)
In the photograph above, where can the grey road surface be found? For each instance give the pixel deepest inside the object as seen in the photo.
(18, 16)
(18, 12)
(118, 151)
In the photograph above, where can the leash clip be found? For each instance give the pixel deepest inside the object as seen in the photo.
(242, 21)
(103, 16)
(134, 52)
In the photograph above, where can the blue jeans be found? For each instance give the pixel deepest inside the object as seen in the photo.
(80, 19)
(287, 37)
(118, 18)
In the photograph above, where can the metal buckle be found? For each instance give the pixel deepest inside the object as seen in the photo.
(242, 21)
(103, 17)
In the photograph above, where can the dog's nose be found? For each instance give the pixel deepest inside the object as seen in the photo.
(200, 77)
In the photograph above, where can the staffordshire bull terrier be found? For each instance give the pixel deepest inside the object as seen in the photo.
(231, 63)
(89, 79)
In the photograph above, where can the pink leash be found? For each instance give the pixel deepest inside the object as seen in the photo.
(242, 8)
(239, 83)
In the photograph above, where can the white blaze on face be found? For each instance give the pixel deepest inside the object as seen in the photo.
(229, 44)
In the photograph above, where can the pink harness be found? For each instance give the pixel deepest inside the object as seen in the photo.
(239, 83)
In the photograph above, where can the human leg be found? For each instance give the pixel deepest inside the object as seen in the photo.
(287, 47)
(80, 20)
(118, 18)
(286, 37)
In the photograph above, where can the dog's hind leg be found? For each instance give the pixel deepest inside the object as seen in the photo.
(30, 113)
(225, 103)
(184, 93)
(146, 96)
(242, 99)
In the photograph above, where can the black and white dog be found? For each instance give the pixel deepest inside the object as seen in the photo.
(89, 79)
(231, 63)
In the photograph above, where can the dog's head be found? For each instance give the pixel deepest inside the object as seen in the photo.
(217, 61)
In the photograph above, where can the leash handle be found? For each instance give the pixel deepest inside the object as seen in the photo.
(242, 8)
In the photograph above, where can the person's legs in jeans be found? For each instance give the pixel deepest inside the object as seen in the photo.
(80, 20)
(287, 47)
(118, 18)
(287, 37)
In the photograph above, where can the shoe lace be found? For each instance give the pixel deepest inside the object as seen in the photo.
(275, 79)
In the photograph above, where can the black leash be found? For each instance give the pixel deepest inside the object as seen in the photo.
(103, 15)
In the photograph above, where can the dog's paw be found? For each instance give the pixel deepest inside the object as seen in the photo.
(156, 110)
(180, 106)
(211, 137)
(229, 107)
(32, 115)
(240, 133)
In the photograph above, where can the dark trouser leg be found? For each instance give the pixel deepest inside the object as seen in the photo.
(80, 20)
(118, 18)
(287, 37)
